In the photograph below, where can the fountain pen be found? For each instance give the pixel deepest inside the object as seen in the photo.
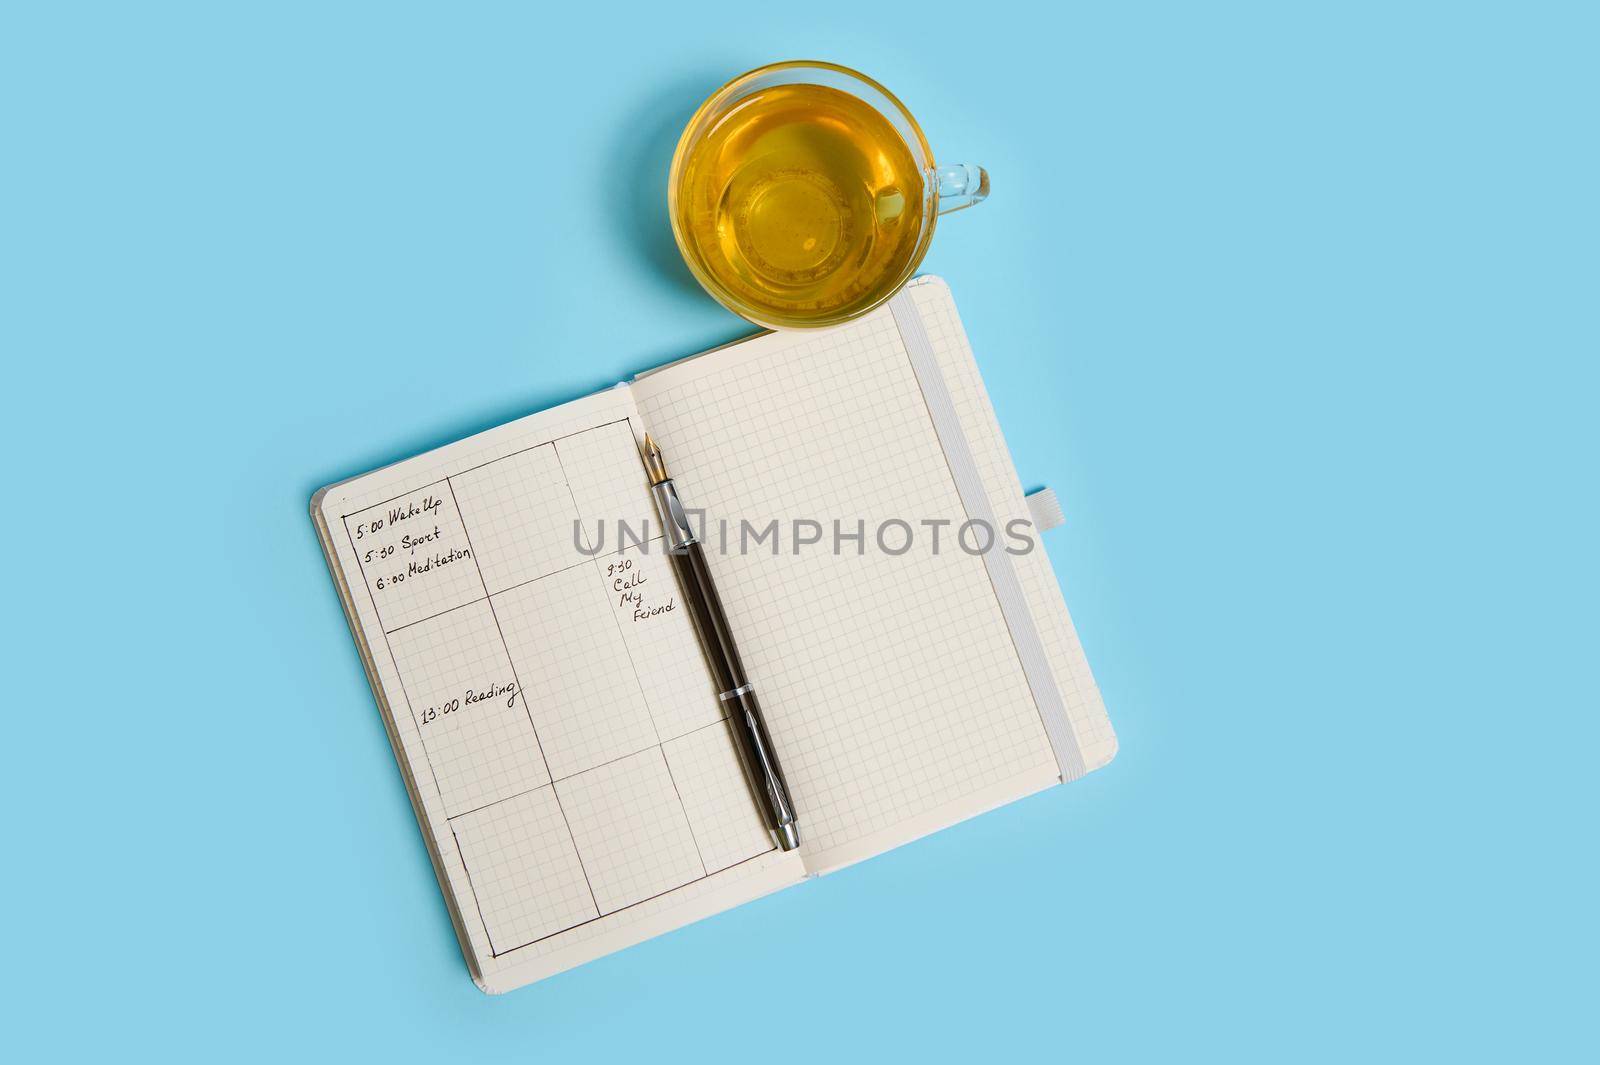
(738, 696)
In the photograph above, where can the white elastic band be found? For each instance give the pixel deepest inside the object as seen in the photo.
(1002, 574)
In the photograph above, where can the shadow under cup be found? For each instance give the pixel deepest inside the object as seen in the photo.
(803, 194)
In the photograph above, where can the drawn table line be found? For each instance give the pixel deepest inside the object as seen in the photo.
(525, 709)
(590, 769)
(512, 587)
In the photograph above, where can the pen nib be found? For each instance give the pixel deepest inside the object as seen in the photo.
(654, 465)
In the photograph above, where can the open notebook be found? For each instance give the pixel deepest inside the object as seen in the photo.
(548, 703)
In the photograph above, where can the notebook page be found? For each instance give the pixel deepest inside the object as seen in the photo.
(890, 681)
(547, 698)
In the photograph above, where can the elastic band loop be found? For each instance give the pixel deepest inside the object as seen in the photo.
(1002, 574)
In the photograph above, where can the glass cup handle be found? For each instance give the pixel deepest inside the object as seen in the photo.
(961, 186)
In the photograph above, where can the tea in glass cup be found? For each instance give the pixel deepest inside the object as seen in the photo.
(804, 194)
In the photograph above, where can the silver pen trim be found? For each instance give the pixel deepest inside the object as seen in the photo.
(675, 527)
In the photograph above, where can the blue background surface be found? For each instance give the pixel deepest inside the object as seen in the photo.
(1294, 305)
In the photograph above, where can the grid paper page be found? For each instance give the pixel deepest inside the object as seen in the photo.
(891, 684)
(535, 747)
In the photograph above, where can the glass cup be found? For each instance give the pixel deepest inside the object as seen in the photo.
(803, 194)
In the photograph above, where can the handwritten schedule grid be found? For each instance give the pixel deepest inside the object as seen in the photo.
(563, 708)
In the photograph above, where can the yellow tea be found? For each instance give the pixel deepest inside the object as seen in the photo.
(802, 203)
